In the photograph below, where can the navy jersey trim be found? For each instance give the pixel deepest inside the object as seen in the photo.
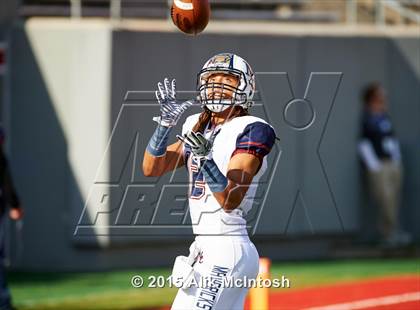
(257, 138)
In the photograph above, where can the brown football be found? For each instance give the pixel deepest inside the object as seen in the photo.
(190, 16)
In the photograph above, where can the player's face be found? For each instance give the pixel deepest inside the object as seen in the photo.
(218, 92)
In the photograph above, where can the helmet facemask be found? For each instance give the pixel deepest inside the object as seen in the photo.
(240, 95)
(217, 97)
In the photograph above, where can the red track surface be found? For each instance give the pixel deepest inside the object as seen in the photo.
(348, 292)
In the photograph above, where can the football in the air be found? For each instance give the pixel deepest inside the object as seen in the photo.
(190, 16)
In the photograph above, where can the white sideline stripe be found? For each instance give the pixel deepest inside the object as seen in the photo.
(372, 302)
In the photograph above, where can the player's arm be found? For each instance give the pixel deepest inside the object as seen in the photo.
(157, 166)
(252, 145)
(158, 157)
(9, 192)
(241, 170)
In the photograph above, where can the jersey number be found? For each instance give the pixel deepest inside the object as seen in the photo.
(198, 188)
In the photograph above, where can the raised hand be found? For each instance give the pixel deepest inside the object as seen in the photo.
(170, 109)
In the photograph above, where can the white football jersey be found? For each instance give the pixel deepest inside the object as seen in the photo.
(208, 218)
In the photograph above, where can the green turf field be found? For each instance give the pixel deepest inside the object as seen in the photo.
(113, 290)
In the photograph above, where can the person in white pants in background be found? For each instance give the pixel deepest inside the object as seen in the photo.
(224, 149)
(380, 153)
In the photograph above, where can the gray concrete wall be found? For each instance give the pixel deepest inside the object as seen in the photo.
(69, 81)
(8, 11)
(403, 83)
(59, 130)
(139, 61)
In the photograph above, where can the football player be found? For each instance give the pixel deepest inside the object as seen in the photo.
(224, 149)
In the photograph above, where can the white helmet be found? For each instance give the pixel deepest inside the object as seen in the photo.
(229, 64)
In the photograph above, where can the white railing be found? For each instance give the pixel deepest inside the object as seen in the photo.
(76, 8)
(397, 7)
(379, 8)
(114, 9)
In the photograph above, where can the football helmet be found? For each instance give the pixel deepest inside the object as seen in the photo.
(226, 63)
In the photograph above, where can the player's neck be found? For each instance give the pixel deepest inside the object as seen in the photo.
(221, 117)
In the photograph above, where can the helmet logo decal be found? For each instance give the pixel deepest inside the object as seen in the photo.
(231, 62)
(221, 59)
